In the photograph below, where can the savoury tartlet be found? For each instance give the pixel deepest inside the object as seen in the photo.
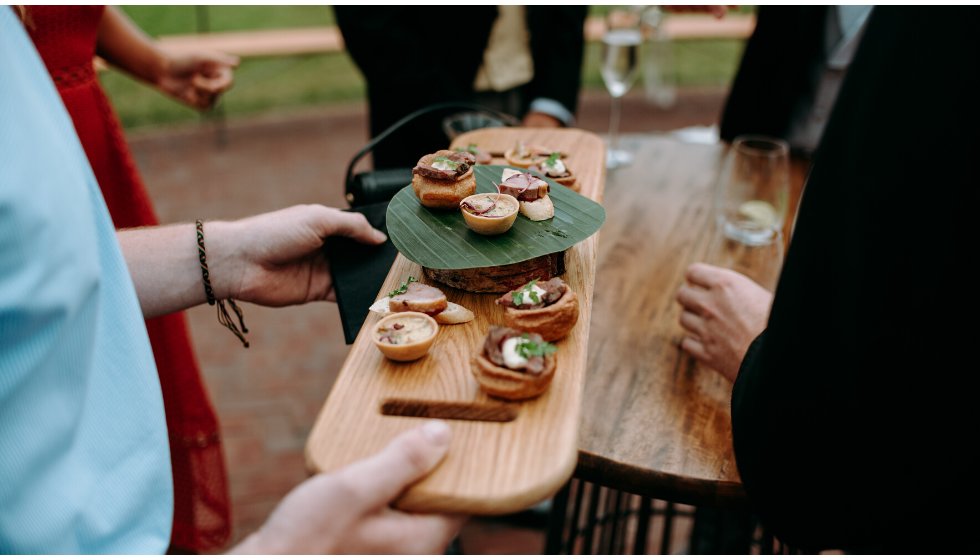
(514, 365)
(554, 168)
(404, 337)
(549, 308)
(489, 213)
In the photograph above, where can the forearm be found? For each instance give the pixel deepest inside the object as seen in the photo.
(124, 45)
(163, 263)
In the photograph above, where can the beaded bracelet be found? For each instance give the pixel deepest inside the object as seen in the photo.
(223, 316)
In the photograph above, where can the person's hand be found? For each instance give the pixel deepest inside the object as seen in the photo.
(723, 313)
(197, 79)
(277, 259)
(540, 120)
(347, 512)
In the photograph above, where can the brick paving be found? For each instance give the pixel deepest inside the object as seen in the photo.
(267, 397)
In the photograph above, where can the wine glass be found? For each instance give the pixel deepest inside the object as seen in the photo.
(620, 51)
(753, 190)
(761, 263)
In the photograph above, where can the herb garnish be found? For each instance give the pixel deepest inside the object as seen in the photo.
(471, 149)
(528, 289)
(403, 288)
(552, 159)
(528, 348)
(443, 159)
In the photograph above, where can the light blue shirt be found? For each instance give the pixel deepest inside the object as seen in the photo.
(84, 461)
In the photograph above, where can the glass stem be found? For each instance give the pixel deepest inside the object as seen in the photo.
(614, 124)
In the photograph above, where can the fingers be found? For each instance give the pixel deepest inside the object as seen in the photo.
(379, 479)
(693, 299)
(406, 533)
(704, 275)
(693, 323)
(695, 348)
(330, 222)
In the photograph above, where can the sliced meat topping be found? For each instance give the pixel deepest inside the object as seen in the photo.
(505, 347)
(523, 186)
(419, 297)
(534, 294)
(445, 165)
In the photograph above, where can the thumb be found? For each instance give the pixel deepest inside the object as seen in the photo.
(379, 479)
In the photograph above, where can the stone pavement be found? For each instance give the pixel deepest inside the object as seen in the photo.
(267, 396)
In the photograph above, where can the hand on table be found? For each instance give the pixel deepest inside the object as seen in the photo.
(277, 259)
(197, 79)
(723, 313)
(347, 511)
(540, 120)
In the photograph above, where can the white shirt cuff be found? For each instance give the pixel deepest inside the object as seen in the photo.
(554, 109)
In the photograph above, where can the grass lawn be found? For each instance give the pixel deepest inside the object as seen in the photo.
(268, 84)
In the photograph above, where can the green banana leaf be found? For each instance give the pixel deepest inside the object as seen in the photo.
(440, 239)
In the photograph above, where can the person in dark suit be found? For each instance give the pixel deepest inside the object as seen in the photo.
(791, 71)
(854, 411)
(413, 56)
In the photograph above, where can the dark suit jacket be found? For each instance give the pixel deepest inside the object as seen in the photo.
(779, 68)
(855, 414)
(413, 56)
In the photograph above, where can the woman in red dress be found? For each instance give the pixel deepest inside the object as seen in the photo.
(68, 38)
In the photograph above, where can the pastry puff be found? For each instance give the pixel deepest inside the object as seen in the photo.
(508, 384)
(552, 322)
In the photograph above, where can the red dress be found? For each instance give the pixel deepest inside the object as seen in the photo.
(65, 36)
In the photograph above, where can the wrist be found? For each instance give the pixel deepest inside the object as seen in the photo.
(224, 260)
(159, 68)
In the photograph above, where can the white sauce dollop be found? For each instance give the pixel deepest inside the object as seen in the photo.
(512, 359)
(443, 165)
(557, 169)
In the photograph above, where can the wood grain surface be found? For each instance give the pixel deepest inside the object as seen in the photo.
(654, 422)
(491, 467)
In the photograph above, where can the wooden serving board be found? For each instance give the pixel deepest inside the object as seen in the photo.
(492, 467)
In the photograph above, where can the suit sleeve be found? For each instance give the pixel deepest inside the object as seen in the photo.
(557, 46)
(852, 411)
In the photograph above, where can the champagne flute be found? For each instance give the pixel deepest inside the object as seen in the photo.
(620, 51)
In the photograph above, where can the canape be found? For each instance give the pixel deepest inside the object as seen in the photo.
(514, 365)
(444, 179)
(404, 337)
(413, 296)
(530, 191)
(555, 169)
(482, 157)
(489, 213)
(524, 155)
(549, 308)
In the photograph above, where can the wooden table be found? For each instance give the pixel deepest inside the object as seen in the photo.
(654, 422)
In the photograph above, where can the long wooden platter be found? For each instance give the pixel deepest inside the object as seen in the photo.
(492, 467)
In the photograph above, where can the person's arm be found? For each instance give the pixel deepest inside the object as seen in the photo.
(196, 79)
(557, 45)
(272, 259)
(348, 512)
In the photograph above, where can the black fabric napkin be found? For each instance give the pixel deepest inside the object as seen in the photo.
(358, 270)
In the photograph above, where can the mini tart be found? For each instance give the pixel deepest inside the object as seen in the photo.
(435, 193)
(514, 159)
(552, 322)
(407, 352)
(491, 225)
(569, 181)
(508, 384)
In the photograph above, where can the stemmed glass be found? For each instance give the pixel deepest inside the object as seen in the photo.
(620, 51)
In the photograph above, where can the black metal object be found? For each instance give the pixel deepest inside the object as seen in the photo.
(588, 518)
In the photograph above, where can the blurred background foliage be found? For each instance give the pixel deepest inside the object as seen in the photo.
(285, 83)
